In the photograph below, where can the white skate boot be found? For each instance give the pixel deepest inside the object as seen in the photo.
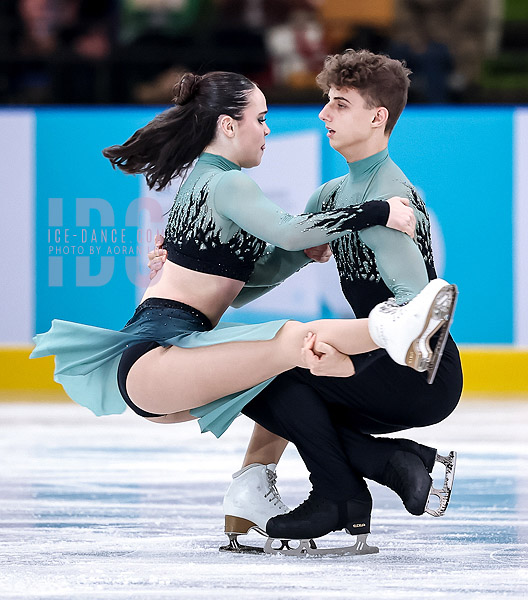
(405, 331)
(251, 500)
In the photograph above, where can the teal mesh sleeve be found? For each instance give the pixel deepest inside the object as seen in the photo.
(239, 199)
(271, 269)
(276, 265)
(248, 294)
(399, 261)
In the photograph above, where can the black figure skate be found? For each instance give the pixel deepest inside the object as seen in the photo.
(290, 533)
(409, 476)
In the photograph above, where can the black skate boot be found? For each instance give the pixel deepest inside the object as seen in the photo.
(318, 516)
(425, 453)
(407, 475)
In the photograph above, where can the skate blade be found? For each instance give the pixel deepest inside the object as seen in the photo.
(420, 356)
(235, 546)
(443, 495)
(434, 363)
(309, 548)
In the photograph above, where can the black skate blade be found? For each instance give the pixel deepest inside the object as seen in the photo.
(434, 363)
(235, 546)
(309, 548)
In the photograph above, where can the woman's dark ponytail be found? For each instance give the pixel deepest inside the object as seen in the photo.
(167, 146)
(186, 89)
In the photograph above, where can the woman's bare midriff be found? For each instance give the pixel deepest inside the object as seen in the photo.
(210, 294)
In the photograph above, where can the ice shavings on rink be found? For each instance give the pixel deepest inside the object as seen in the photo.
(121, 508)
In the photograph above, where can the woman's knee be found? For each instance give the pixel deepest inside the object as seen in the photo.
(291, 335)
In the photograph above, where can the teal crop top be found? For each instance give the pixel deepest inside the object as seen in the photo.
(221, 223)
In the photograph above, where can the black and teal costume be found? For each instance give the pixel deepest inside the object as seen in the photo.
(221, 224)
(330, 419)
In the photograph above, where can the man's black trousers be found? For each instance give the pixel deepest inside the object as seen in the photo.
(331, 420)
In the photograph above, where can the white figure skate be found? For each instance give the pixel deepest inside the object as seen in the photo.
(406, 331)
(252, 499)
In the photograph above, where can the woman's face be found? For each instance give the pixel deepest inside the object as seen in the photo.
(251, 131)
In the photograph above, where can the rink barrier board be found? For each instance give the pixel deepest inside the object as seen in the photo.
(52, 196)
(487, 369)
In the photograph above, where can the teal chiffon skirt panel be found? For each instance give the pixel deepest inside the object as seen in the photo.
(87, 357)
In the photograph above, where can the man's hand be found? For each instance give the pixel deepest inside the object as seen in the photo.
(401, 215)
(157, 257)
(320, 254)
(324, 360)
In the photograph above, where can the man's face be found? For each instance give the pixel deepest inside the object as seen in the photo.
(348, 121)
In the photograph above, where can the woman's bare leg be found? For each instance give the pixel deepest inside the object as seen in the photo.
(264, 447)
(173, 379)
(177, 417)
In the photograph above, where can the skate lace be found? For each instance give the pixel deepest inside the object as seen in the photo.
(272, 490)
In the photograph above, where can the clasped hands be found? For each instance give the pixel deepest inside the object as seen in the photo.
(324, 360)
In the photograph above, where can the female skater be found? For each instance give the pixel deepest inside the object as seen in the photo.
(173, 360)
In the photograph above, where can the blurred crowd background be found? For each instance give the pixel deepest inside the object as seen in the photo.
(131, 51)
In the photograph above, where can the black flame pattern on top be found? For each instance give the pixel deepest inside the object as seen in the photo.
(193, 237)
(357, 262)
(193, 232)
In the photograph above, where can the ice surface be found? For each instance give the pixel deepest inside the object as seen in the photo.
(121, 508)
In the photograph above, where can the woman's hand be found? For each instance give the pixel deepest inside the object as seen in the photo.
(320, 254)
(157, 257)
(324, 360)
(401, 215)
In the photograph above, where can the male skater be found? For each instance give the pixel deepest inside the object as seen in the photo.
(331, 419)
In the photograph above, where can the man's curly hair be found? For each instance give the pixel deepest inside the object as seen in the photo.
(381, 80)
